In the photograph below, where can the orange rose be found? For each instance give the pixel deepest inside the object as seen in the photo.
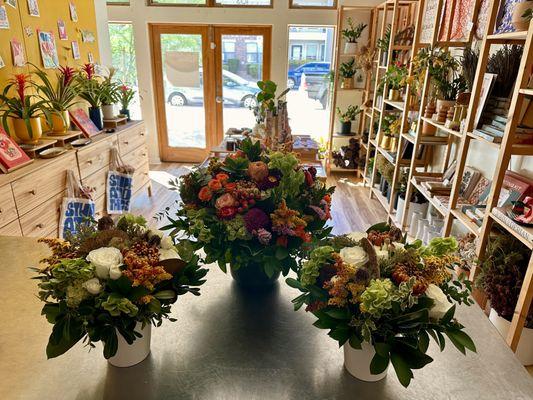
(205, 194)
(226, 200)
(222, 177)
(230, 186)
(214, 185)
(327, 198)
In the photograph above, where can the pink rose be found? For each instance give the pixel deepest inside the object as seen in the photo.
(258, 171)
(226, 200)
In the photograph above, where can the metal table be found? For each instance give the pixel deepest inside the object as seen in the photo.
(229, 345)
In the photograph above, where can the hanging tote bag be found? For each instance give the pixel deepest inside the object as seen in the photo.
(119, 185)
(76, 208)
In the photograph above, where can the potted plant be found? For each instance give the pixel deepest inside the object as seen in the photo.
(347, 71)
(383, 45)
(505, 63)
(24, 110)
(255, 211)
(110, 92)
(383, 301)
(522, 13)
(58, 98)
(395, 77)
(346, 119)
(351, 34)
(126, 95)
(110, 283)
(502, 273)
(469, 61)
(91, 92)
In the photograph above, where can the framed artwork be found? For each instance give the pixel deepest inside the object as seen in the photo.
(428, 22)
(17, 51)
(505, 15)
(83, 122)
(461, 23)
(62, 30)
(12, 3)
(76, 50)
(11, 155)
(4, 22)
(87, 36)
(73, 12)
(33, 8)
(47, 45)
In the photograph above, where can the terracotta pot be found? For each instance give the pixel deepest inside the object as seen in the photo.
(519, 22)
(60, 122)
(444, 105)
(347, 83)
(31, 135)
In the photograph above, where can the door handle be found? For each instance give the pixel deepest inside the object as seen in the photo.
(219, 99)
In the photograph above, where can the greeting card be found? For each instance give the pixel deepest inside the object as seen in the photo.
(73, 12)
(62, 29)
(11, 155)
(19, 60)
(33, 8)
(47, 44)
(76, 50)
(83, 122)
(12, 3)
(4, 21)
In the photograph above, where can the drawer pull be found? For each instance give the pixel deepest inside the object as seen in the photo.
(144, 154)
(40, 226)
(126, 142)
(1, 211)
(32, 192)
(142, 133)
(89, 161)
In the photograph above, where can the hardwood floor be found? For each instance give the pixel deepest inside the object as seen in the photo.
(352, 210)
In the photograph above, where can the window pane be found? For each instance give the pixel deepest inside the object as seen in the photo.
(123, 59)
(313, 3)
(244, 3)
(193, 2)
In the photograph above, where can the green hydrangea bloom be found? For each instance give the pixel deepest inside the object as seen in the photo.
(377, 297)
(116, 305)
(198, 228)
(76, 293)
(292, 179)
(311, 268)
(236, 230)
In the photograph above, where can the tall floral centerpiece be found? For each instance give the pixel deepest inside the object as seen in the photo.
(383, 300)
(23, 109)
(58, 97)
(253, 211)
(110, 283)
(91, 92)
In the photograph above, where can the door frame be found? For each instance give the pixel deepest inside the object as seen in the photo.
(212, 80)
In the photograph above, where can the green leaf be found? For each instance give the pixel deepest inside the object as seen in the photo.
(355, 342)
(110, 344)
(222, 265)
(340, 334)
(51, 311)
(448, 316)
(281, 253)
(382, 349)
(270, 268)
(294, 283)
(58, 344)
(423, 341)
(403, 372)
(339, 313)
(379, 364)
(461, 340)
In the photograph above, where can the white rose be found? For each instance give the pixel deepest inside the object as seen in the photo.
(115, 272)
(381, 253)
(104, 259)
(166, 254)
(167, 243)
(357, 236)
(93, 286)
(398, 246)
(354, 255)
(441, 302)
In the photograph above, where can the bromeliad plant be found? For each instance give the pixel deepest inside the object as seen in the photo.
(90, 86)
(126, 95)
(372, 288)
(253, 208)
(59, 97)
(106, 279)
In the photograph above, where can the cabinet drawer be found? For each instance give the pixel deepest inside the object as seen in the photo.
(141, 177)
(96, 156)
(131, 139)
(8, 211)
(97, 182)
(11, 229)
(136, 157)
(43, 219)
(39, 186)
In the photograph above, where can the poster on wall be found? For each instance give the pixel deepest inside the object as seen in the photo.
(17, 51)
(33, 8)
(4, 22)
(47, 45)
(87, 36)
(76, 50)
(12, 3)
(73, 12)
(62, 29)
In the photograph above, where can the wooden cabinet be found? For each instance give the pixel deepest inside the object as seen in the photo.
(30, 197)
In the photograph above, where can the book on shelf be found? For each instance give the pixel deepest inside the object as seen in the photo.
(11, 155)
(468, 183)
(488, 136)
(514, 187)
(475, 213)
(480, 193)
(502, 215)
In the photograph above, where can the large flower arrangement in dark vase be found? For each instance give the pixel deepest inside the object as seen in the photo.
(384, 300)
(254, 211)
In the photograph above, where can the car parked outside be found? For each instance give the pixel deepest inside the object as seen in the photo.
(294, 78)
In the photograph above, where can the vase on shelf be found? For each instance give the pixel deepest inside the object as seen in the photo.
(95, 114)
(128, 355)
(393, 144)
(126, 113)
(253, 277)
(28, 131)
(109, 111)
(357, 362)
(416, 216)
(385, 142)
(394, 95)
(524, 351)
(519, 22)
(60, 122)
(347, 83)
(346, 128)
(442, 109)
(427, 128)
(350, 48)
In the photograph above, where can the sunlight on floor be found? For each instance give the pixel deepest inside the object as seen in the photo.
(162, 177)
(351, 183)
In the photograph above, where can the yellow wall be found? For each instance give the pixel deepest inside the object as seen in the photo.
(50, 12)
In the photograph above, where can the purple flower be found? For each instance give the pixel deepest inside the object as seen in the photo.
(256, 219)
(263, 236)
(321, 213)
(271, 181)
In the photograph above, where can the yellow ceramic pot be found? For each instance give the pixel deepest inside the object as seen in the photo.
(393, 144)
(28, 136)
(385, 142)
(60, 122)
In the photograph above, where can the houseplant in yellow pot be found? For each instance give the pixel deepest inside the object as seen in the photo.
(58, 98)
(24, 110)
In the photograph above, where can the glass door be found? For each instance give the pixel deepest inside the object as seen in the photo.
(184, 82)
(242, 59)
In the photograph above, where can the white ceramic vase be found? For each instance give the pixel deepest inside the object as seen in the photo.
(130, 354)
(350, 48)
(413, 225)
(357, 362)
(421, 226)
(108, 111)
(524, 351)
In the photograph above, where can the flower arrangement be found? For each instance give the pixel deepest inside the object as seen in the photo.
(369, 288)
(254, 208)
(353, 32)
(108, 279)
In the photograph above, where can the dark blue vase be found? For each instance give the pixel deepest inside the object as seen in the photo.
(126, 112)
(95, 114)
